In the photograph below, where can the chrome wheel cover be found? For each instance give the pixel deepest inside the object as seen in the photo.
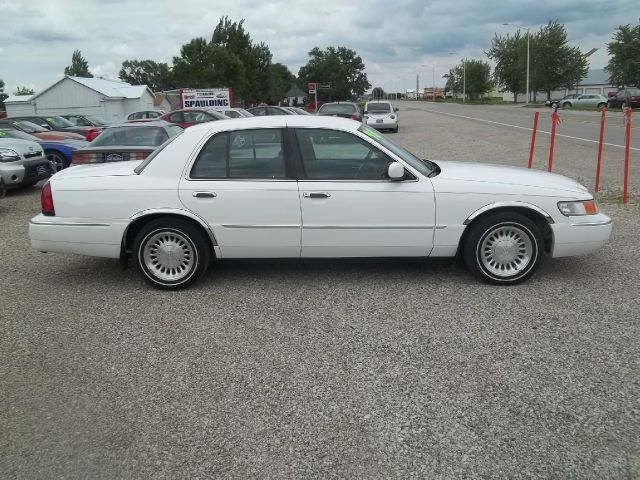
(506, 251)
(169, 256)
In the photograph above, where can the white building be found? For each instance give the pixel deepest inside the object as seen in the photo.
(596, 81)
(109, 100)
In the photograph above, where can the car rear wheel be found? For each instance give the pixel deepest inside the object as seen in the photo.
(566, 105)
(171, 254)
(602, 105)
(56, 160)
(504, 248)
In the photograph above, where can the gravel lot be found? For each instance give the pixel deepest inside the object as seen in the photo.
(322, 369)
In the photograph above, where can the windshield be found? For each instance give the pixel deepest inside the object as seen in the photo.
(11, 133)
(378, 108)
(94, 120)
(334, 108)
(59, 122)
(131, 137)
(425, 167)
(29, 127)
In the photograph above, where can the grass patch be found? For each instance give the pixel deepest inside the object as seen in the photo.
(615, 197)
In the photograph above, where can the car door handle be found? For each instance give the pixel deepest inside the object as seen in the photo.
(204, 194)
(316, 195)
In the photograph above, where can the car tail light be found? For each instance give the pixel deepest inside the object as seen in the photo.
(79, 158)
(46, 201)
(355, 117)
(92, 134)
(138, 155)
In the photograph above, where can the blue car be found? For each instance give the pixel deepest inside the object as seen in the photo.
(58, 152)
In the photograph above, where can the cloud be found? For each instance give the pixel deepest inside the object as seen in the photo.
(120, 49)
(106, 70)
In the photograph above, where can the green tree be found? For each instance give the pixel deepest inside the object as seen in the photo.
(156, 75)
(24, 91)
(79, 66)
(255, 58)
(624, 51)
(203, 65)
(280, 81)
(377, 92)
(472, 76)
(554, 63)
(3, 96)
(340, 67)
(509, 53)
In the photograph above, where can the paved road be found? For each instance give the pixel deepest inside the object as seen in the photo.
(322, 369)
(575, 125)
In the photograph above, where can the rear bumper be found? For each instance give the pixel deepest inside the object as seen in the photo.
(581, 235)
(386, 123)
(69, 235)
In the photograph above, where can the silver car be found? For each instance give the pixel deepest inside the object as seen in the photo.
(381, 115)
(22, 162)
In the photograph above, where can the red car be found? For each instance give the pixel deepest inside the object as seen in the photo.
(192, 116)
(38, 131)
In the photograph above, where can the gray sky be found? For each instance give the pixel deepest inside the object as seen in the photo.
(396, 39)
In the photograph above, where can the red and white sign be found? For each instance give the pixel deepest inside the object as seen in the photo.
(312, 87)
(207, 98)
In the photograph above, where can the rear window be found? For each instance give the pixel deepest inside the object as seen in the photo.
(379, 107)
(131, 137)
(335, 108)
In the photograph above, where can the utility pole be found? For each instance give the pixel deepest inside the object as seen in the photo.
(417, 84)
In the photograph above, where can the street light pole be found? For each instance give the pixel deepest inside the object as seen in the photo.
(528, 41)
(464, 80)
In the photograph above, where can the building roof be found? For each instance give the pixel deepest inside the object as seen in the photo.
(17, 98)
(596, 77)
(111, 88)
(294, 91)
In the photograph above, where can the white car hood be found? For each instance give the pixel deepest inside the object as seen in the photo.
(496, 175)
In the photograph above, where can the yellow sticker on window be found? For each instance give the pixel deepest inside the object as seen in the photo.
(2, 134)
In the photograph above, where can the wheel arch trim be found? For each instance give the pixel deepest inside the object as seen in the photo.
(172, 211)
(493, 206)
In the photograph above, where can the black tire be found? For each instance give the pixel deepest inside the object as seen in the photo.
(527, 241)
(602, 105)
(567, 105)
(57, 160)
(395, 130)
(189, 243)
(554, 105)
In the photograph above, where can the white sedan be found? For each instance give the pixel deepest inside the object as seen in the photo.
(306, 186)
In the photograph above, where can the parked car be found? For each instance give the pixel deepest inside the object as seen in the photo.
(569, 101)
(129, 141)
(22, 163)
(192, 116)
(556, 103)
(630, 95)
(239, 190)
(57, 123)
(268, 110)
(58, 152)
(85, 120)
(297, 111)
(145, 115)
(381, 115)
(234, 112)
(38, 131)
(341, 109)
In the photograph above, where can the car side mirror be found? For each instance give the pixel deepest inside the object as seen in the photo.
(395, 171)
(395, 109)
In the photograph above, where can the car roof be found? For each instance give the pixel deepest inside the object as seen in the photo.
(278, 121)
(155, 123)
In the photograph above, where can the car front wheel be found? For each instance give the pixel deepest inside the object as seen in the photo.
(171, 254)
(56, 160)
(504, 248)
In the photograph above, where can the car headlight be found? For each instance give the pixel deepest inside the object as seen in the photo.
(8, 155)
(582, 207)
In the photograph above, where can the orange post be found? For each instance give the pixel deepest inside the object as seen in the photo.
(602, 122)
(554, 122)
(625, 191)
(533, 138)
